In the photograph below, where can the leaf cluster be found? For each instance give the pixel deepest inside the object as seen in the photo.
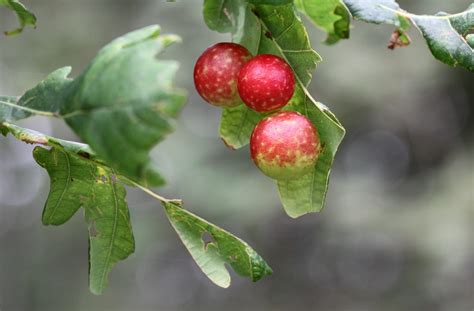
(121, 106)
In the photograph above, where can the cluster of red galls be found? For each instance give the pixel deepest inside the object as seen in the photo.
(284, 144)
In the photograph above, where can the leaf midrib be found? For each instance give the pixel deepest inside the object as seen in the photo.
(66, 187)
(112, 239)
(30, 110)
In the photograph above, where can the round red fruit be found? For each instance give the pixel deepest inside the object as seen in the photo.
(216, 72)
(266, 83)
(285, 145)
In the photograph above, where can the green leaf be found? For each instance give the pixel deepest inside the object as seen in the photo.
(72, 183)
(122, 105)
(329, 15)
(213, 247)
(124, 102)
(444, 35)
(46, 96)
(375, 11)
(382, 12)
(278, 30)
(284, 34)
(78, 179)
(77, 182)
(110, 231)
(237, 125)
(25, 17)
(43, 99)
(216, 15)
(308, 193)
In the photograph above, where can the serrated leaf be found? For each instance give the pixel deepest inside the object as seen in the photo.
(43, 99)
(46, 96)
(72, 183)
(444, 35)
(329, 15)
(221, 248)
(122, 105)
(77, 182)
(124, 102)
(308, 193)
(110, 231)
(25, 17)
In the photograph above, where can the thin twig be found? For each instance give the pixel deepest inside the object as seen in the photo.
(151, 193)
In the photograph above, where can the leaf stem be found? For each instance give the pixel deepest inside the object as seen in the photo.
(151, 193)
(33, 111)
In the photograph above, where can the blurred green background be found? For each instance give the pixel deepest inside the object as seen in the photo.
(397, 229)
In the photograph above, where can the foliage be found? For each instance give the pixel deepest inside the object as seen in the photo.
(25, 17)
(121, 105)
(330, 15)
(444, 33)
(274, 27)
(125, 102)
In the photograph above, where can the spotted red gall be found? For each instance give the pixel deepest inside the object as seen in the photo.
(266, 83)
(216, 72)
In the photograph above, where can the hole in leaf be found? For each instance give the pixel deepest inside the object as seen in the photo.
(84, 154)
(207, 239)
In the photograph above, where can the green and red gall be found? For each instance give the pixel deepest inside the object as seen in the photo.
(285, 145)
